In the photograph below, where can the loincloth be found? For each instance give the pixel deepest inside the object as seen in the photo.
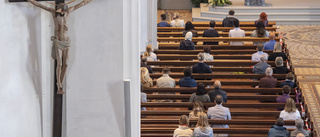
(62, 45)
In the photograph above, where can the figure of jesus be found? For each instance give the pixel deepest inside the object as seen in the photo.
(60, 40)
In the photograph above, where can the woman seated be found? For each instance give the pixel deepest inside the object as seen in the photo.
(187, 44)
(263, 18)
(200, 94)
(201, 67)
(207, 56)
(176, 22)
(290, 112)
(149, 54)
(146, 81)
(277, 51)
(189, 27)
(183, 130)
(203, 128)
(260, 32)
(280, 69)
(196, 110)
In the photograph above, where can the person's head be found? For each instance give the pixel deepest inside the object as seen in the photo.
(272, 36)
(290, 76)
(197, 108)
(200, 89)
(299, 123)
(203, 121)
(62, 8)
(290, 106)
(261, 29)
(184, 120)
(231, 12)
(300, 135)
(212, 24)
(148, 50)
(206, 49)
(236, 23)
(263, 16)
(189, 26)
(201, 56)
(277, 47)
(166, 70)
(188, 36)
(144, 74)
(163, 17)
(143, 59)
(279, 122)
(279, 62)
(263, 58)
(218, 99)
(217, 84)
(176, 15)
(269, 71)
(260, 47)
(286, 89)
(187, 71)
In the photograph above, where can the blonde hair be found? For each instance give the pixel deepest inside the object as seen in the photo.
(197, 108)
(290, 106)
(144, 75)
(277, 47)
(184, 120)
(202, 121)
(148, 50)
(279, 62)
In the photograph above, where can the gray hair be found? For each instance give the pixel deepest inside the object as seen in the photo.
(201, 56)
(279, 62)
(217, 84)
(277, 47)
(269, 71)
(263, 57)
(299, 123)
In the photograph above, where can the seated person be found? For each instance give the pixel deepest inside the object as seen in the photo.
(263, 18)
(211, 32)
(203, 128)
(286, 90)
(145, 79)
(200, 94)
(196, 110)
(144, 64)
(236, 32)
(289, 81)
(189, 27)
(183, 130)
(270, 44)
(278, 130)
(229, 20)
(277, 52)
(201, 67)
(187, 81)
(268, 81)
(163, 22)
(187, 44)
(256, 56)
(207, 56)
(176, 22)
(299, 129)
(290, 111)
(260, 32)
(260, 68)
(217, 91)
(280, 69)
(149, 54)
(165, 81)
(143, 97)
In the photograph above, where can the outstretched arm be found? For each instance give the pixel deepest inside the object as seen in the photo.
(84, 2)
(36, 3)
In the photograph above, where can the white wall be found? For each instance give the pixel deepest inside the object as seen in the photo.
(20, 71)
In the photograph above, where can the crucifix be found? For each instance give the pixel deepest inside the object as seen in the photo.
(60, 48)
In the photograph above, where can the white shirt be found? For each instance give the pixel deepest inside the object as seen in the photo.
(219, 112)
(183, 131)
(165, 81)
(152, 57)
(177, 23)
(236, 32)
(208, 57)
(256, 56)
(290, 116)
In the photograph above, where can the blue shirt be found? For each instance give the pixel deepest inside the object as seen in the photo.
(163, 24)
(187, 82)
(269, 45)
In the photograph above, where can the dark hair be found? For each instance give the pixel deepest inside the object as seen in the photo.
(189, 26)
(187, 71)
(286, 89)
(143, 59)
(218, 99)
(206, 49)
(290, 76)
(200, 89)
(163, 16)
(236, 23)
(260, 47)
(261, 29)
(279, 122)
(212, 24)
(231, 12)
(166, 69)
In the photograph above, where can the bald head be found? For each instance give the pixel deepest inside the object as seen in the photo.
(272, 36)
(217, 84)
(300, 135)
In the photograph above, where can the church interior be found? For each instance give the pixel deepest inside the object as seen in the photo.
(160, 68)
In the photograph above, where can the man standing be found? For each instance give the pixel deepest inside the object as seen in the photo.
(236, 32)
(229, 20)
(211, 32)
(270, 44)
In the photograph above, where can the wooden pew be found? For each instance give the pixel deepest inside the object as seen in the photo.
(225, 82)
(175, 29)
(216, 39)
(219, 24)
(214, 52)
(216, 121)
(220, 75)
(179, 34)
(233, 89)
(214, 69)
(216, 63)
(171, 134)
(166, 46)
(194, 57)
